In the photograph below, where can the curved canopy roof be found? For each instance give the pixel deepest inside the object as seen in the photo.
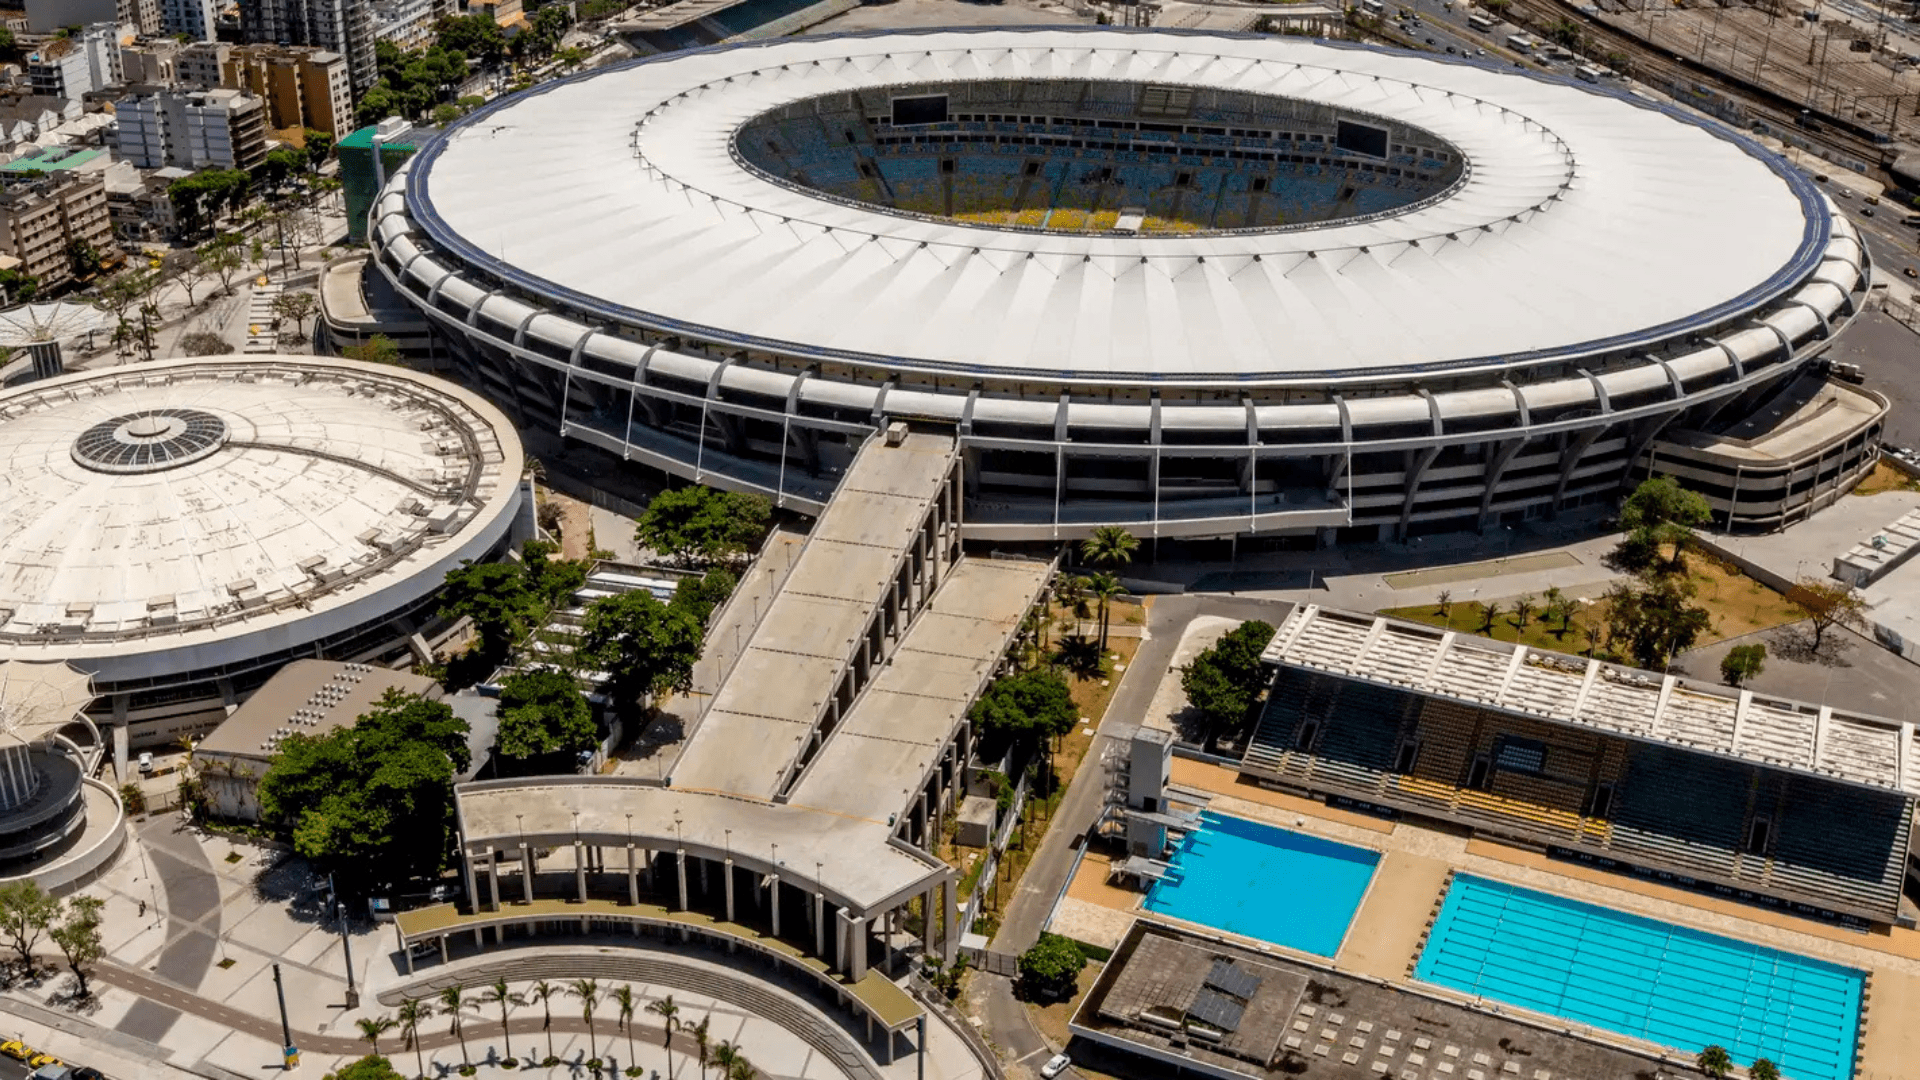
(1587, 220)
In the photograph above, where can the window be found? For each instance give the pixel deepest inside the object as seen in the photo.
(1480, 776)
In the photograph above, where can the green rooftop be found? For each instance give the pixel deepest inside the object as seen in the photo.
(363, 140)
(51, 162)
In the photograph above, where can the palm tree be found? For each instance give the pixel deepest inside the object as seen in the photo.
(667, 1011)
(1110, 545)
(412, 1011)
(1762, 1069)
(1446, 604)
(725, 1057)
(623, 997)
(700, 1040)
(1522, 608)
(1715, 1061)
(1488, 615)
(743, 1070)
(497, 994)
(372, 1027)
(450, 1005)
(543, 992)
(1104, 587)
(588, 991)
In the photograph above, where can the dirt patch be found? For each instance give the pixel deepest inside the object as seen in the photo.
(576, 524)
(1052, 1019)
(1885, 477)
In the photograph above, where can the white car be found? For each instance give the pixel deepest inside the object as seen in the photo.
(146, 761)
(1055, 1065)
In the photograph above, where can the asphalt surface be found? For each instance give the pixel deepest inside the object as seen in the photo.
(1889, 356)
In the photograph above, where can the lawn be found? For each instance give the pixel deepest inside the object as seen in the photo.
(1885, 477)
(1737, 604)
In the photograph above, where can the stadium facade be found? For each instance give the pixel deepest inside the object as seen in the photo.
(1198, 284)
(180, 530)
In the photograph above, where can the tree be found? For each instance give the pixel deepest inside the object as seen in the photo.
(543, 992)
(450, 1006)
(1027, 708)
(1489, 615)
(19, 287)
(280, 164)
(703, 595)
(1715, 1062)
(703, 525)
(371, 1067)
(1565, 32)
(1445, 600)
(294, 307)
(1657, 621)
(202, 343)
(1762, 1069)
(669, 1014)
(1051, 969)
(78, 937)
(372, 802)
(622, 997)
(1743, 662)
(702, 1043)
(542, 711)
(188, 271)
(378, 349)
(1660, 511)
(319, 147)
(647, 648)
(588, 992)
(1828, 605)
(1223, 681)
(726, 1057)
(223, 258)
(445, 114)
(84, 260)
(1110, 545)
(495, 596)
(1104, 587)
(1522, 607)
(478, 36)
(411, 1012)
(498, 994)
(372, 1027)
(552, 582)
(25, 914)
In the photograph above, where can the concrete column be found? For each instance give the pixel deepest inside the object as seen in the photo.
(950, 938)
(633, 876)
(728, 868)
(466, 868)
(646, 866)
(526, 873)
(680, 871)
(580, 870)
(856, 947)
(773, 900)
(820, 924)
(493, 878)
(926, 922)
(842, 940)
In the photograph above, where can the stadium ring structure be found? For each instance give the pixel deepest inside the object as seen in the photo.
(179, 530)
(1198, 284)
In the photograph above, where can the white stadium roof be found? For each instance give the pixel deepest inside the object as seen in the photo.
(1587, 221)
(190, 514)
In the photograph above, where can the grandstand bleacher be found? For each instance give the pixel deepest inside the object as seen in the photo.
(1067, 156)
(1824, 847)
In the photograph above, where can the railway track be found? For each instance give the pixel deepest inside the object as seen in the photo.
(1654, 64)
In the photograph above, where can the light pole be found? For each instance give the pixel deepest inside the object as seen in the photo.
(288, 1054)
(346, 943)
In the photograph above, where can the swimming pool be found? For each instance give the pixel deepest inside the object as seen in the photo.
(1266, 883)
(1645, 978)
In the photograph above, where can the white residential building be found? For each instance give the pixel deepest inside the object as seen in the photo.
(73, 68)
(199, 129)
(194, 18)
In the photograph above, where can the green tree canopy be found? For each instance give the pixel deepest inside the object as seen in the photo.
(1110, 545)
(1050, 970)
(704, 594)
(26, 913)
(1655, 622)
(543, 712)
(1223, 681)
(1025, 708)
(371, 1067)
(1660, 511)
(551, 581)
(372, 802)
(475, 35)
(78, 937)
(319, 147)
(495, 596)
(701, 524)
(1743, 662)
(646, 647)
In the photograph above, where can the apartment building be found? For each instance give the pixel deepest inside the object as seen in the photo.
(195, 18)
(302, 87)
(39, 222)
(150, 62)
(193, 129)
(47, 16)
(340, 26)
(74, 67)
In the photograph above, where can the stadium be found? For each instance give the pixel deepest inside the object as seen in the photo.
(180, 530)
(1197, 284)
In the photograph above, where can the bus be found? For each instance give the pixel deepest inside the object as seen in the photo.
(1373, 7)
(1482, 22)
(1520, 43)
(1589, 73)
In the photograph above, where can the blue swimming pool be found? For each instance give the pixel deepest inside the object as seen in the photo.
(1266, 883)
(1645, 978)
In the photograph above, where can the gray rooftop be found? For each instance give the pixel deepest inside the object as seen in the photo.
(1796, 736)
(310, 697)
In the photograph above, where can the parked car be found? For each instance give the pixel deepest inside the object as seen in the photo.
(15, 1049)
(146, 762)
(38, 1060)
(1055, 1065)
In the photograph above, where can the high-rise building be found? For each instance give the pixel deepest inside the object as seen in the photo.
(360, 177)
(40, 222)
(46, 16)
(152, 62)
(340, 26)
(193, 129)
(194, 18)
(73, 67)
(303, 87)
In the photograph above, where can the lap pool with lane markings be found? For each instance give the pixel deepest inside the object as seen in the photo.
(1645, 978)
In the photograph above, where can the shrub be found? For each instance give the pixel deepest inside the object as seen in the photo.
(1743, 662)
(1051, 969)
